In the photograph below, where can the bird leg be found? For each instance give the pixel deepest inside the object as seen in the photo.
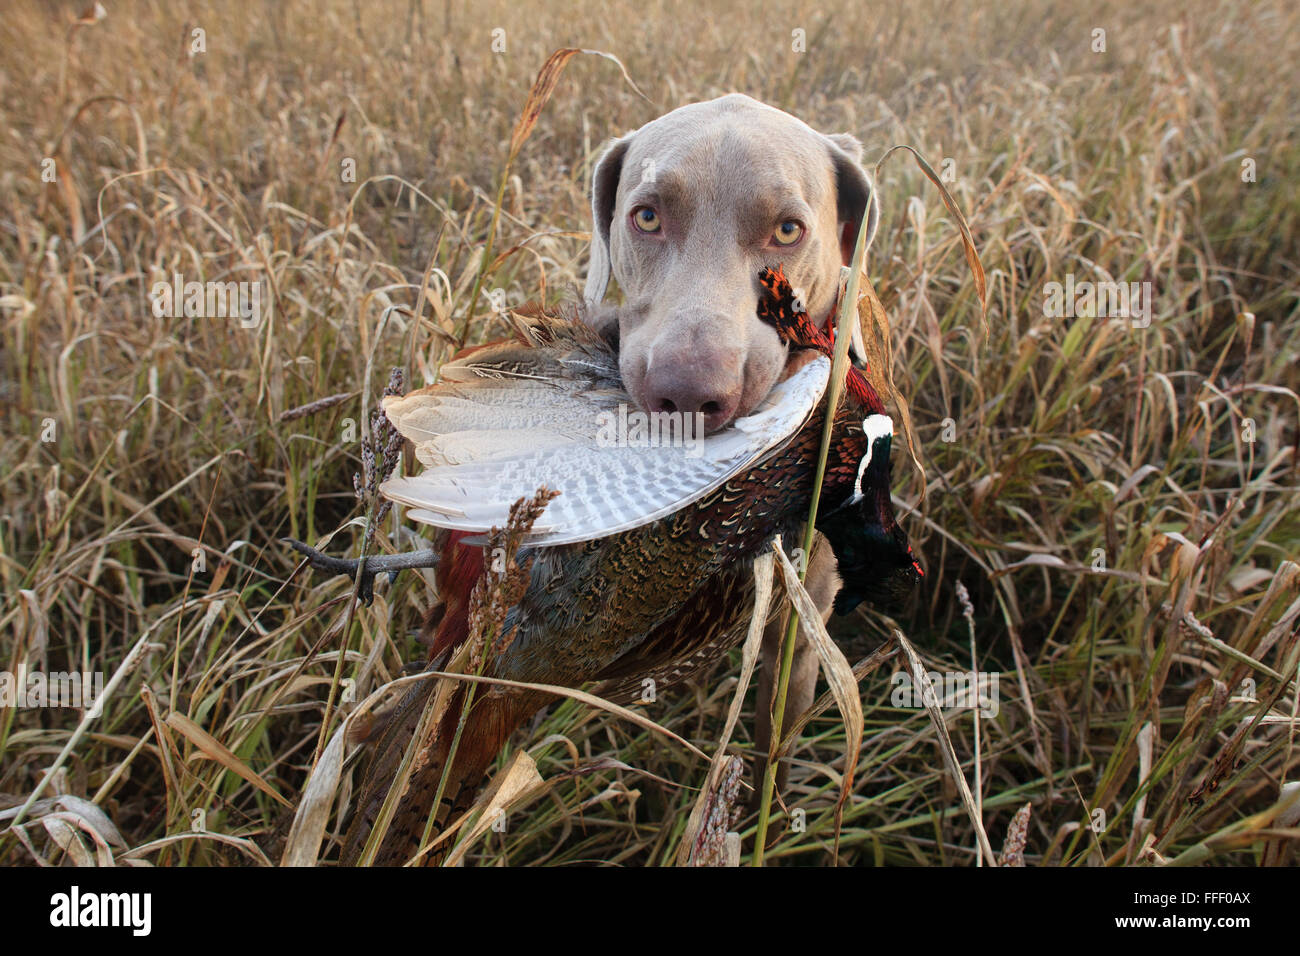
(366, 568)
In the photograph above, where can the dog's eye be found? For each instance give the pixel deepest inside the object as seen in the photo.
(646, 219)
(788, 233)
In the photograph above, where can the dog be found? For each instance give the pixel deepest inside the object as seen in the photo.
(686, 212)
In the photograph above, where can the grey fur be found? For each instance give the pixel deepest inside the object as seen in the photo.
(722, 175)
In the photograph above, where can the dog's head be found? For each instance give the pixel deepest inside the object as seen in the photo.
(687, 211)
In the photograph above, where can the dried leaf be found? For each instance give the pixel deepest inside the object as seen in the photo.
(838, 672)
(302, 847)
(94, 818)
(65, 835)
(514, 783)
(213, 748)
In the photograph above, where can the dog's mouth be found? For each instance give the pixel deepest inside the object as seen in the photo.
(753, 397)
(717, 376)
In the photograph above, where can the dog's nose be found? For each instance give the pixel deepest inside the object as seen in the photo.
(668, 389)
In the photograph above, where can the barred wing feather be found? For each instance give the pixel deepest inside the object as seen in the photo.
(497, 430)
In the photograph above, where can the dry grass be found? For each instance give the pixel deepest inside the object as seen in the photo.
(1122, 690)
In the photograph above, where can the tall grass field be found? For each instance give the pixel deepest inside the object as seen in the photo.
(1105, 495)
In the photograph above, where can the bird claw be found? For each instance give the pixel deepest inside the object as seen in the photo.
(348, 566)
(364, 570)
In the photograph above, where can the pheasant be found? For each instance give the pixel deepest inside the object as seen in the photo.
(642, 567)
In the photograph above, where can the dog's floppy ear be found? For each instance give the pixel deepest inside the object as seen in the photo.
(855, 194)
(604, 193)
(855, 198)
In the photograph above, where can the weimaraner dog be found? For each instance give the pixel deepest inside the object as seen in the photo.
(687, 210)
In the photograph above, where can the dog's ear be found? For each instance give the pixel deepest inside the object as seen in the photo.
(604, 193)
(855, 194)
(856, 198)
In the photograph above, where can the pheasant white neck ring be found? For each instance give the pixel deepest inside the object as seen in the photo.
(875, 427)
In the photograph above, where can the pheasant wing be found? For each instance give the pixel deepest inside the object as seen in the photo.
(509, 419)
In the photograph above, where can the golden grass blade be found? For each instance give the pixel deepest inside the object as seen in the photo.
(968, 244)
(839, 676)
(763, 567)
(245, 846)
(538, 96)
(834, 389)
(1146, 755)
(515, 782)
(873, 322)
(302, 846)
(868, 665)
(921, 680)
(544, 87)
(645, 723)
(216, 750)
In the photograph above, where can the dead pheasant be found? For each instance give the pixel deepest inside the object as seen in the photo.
(642, 567)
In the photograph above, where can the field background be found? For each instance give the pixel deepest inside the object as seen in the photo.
(1160, 691)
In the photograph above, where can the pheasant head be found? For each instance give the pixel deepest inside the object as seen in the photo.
(875, 562)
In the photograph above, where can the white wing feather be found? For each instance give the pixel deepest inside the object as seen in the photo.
(486, 445)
